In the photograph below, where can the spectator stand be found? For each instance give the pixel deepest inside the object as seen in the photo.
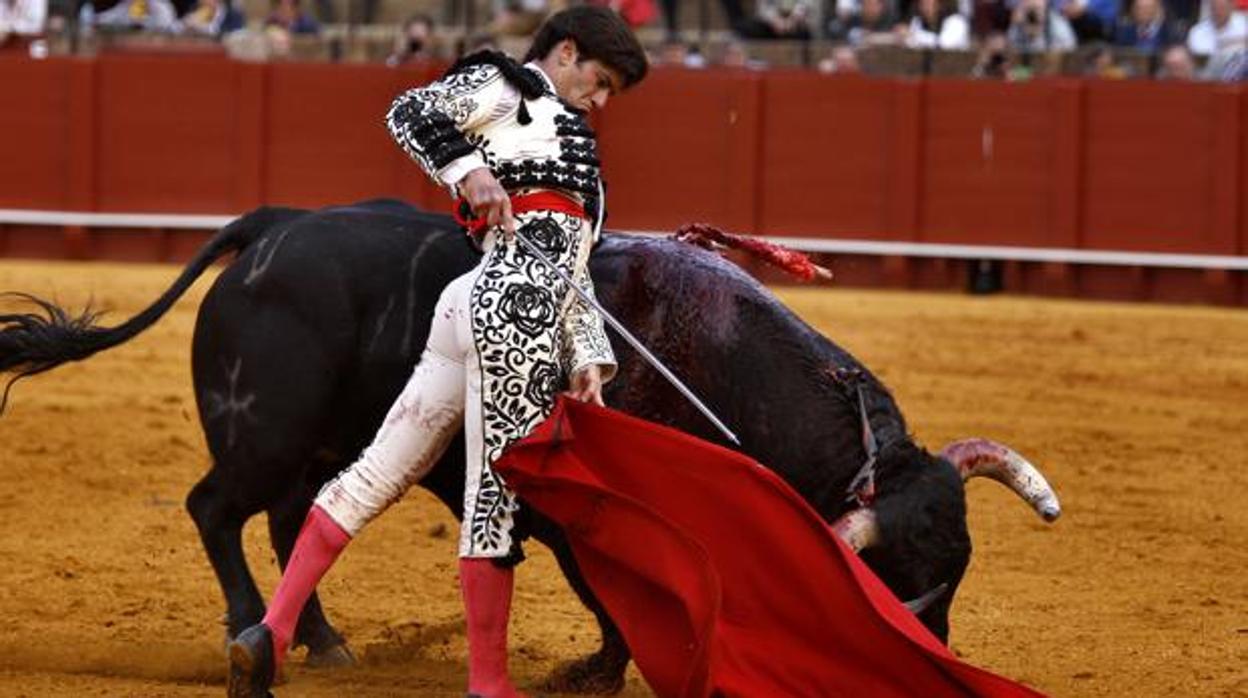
(364, 31)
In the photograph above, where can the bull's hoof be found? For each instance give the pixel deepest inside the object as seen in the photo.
(332, 657)
(252, 664)
(588, 675)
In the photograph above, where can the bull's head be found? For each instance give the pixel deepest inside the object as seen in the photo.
(916, 537)
(971, 458)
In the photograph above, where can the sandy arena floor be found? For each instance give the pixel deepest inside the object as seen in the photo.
(1138, 415)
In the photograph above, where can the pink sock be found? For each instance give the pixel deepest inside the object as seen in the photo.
(319, 543)
(487, 608)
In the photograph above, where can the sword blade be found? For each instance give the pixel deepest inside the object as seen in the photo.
(633, 341)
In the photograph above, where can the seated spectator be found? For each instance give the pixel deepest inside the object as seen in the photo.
(694, 58)
(288, 15)
(937, 24)
(414, 41)
(842, 60)
(989, 17)
(1037, 28)
(1145, 27)
(995, 61)
(871, 23)
(735, 54)
(1092, 20)
(1182, 14)
(21, 21)
(1177, 64)
(148, 15)
(671, 15)
(214, 18)
(1099, 62)
(677, 53)
(518, 17)
(1226, 66)
(673, 52)
(780, 19)
(279, 44)
(1223, 31)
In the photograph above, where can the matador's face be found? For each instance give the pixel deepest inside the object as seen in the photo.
(585, 83)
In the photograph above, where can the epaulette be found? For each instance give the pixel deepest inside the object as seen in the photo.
(530, 85)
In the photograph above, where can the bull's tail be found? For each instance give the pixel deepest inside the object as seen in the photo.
(35, 342)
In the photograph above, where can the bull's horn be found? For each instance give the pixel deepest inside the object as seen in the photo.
(925, 601)
(981, 457)
(858, 529)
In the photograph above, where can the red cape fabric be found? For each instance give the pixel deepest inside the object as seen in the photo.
(721, 578)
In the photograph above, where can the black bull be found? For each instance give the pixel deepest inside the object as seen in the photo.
(305, 339)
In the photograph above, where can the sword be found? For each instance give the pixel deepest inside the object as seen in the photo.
(628, 337)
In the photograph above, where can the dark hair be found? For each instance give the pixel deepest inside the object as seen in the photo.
(600, 34)
(944, 10)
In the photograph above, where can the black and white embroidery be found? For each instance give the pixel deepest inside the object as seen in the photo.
(475, 111)
(547, 235)
(528, 331)
(517, 323)
(528, 308)
(429, 122)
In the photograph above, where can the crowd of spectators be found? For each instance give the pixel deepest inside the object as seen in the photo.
(1177, 35)
(1184, 39)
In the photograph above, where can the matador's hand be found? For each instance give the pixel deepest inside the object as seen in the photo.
(587, 385)
(488, 200)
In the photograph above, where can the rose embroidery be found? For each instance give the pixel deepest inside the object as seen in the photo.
(527, 307)
(543, 382)
(546, 234)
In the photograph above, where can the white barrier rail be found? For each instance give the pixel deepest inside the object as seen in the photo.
(1056, 255)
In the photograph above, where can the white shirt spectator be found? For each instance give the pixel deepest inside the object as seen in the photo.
(954, 35)
(784, 9)
(23, 17)
(1206, 39)
(152, 15)
(1028, 31)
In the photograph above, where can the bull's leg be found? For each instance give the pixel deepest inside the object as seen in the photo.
(220, 526)
(325, 646)
(603, 671)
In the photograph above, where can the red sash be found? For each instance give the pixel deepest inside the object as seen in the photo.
(543, 200)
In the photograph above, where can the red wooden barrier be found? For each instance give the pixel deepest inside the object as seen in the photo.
(324, 137)
(1159, 167)
(832, 155)
(168, 133)
(989, 171)
(1242, 207)
(37, 121)
(1150, 165)
(683, 147)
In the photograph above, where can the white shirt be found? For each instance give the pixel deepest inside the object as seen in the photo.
(25, 17)
(1205, 39)
(955, 34)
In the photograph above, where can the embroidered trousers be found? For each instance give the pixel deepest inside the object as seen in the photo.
(494, 361)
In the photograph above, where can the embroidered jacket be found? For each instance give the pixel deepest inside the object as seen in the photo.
(508, 118)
